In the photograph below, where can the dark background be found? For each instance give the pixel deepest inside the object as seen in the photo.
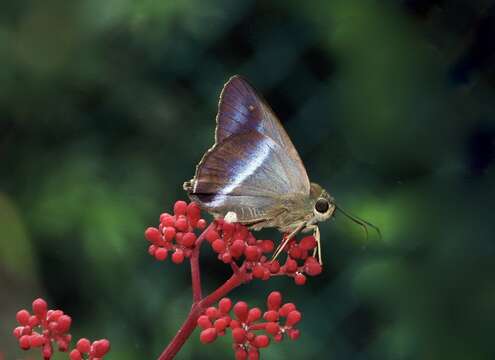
(106, 107)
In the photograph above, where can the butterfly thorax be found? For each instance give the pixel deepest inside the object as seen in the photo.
(298, 209)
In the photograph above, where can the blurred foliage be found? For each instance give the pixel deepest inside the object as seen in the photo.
(106, 106)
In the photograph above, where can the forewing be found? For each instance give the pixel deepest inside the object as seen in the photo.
(241, 110)
(246, 173)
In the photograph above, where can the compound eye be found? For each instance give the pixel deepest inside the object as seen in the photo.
(322, 205)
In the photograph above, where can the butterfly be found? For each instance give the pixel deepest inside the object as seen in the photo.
(254, 175)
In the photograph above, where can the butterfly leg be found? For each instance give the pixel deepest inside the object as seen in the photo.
(286, 241)
(317, 249)
(316, 234)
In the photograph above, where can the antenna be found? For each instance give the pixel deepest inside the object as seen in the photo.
(363, 223)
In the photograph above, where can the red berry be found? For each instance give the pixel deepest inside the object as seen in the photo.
(272, 328)
(300, 279)
(83, 345)
(101, 347)
(271, 315)
(22, 317)
(161, 254)
(252, 253)
(193, 212)
(312, 267)
(227, 319)
(211, 235)
(151, 250)
(63, 323)
(259, 272)
(52, 325)
(308, 243)
(75, 355)
(212, 312)
(201, 224)
(33, 321)
(293, 334)
(235, 324)
(26, 330)
(293, 318)
(218, 246)
(36, 340)
(228, 228)
(152, 234)
(39, 307)
(291, 265)
(286, 309)
(204, 322)
(167, 220)
(267, 246)
(274, 266)
(237, 248)
(169, 233)
(241, 354)
(226, 258)
(241, 232)
(24, 342)
(295, 252)
(63, 344)
(253, 354)
(261, 341)
(241, 310)
(18, 331)
(266, 274)
(239, 335)
(254, 314)
(189, 239)
(208, 335)
(220, 324)
(47, 350)
(178, 256)
(274, 300)
(180, 208)
(181, 223)
(225, 305)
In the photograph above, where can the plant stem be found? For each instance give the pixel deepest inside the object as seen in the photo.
(182, 335)
(200, 304)
(194, 262)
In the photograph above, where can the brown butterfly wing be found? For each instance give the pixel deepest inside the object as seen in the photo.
(253, 164)
(241, 109)
(246, 174)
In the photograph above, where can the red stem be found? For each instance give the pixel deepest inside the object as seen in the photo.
(200, 304)
(182, 335)
(194, 262)
(259, 326)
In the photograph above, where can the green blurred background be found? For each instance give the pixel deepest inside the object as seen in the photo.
(106, 107)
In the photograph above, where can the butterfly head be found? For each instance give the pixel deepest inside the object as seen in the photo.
(322, 203)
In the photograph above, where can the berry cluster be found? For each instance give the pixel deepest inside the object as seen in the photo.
(248, 323)
(249, 259)
(234, 241)
(45, 327)
(175, 232)
(93, 351)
